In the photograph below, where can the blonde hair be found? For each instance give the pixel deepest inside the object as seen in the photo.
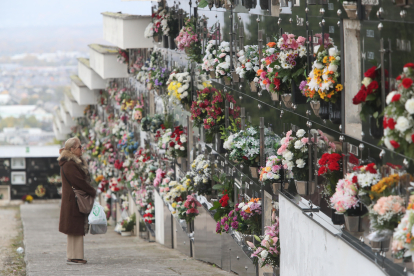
(71, 143)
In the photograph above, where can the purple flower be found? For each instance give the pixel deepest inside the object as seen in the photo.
(226, 227)
(234, 224)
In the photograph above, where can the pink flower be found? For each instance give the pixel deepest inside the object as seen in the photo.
(304, 140)
(301, 40)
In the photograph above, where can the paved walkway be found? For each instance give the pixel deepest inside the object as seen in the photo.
(108, 254)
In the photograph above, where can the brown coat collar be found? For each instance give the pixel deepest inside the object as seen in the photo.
(66, 155)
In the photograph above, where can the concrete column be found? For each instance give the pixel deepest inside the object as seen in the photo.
(352, 53)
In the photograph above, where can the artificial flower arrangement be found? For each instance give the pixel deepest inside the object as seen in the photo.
(271, 172)
(403, 243)
(369, 95)
(224, 186)
(149, 216)
(322, 82)
(127, 225)
(121, 95)
(345, 199)
(398, 121)
(177, 191)
(174, 142)
(164, 186)
(152, 124)
(188, 210)
(142, 76)
(119, 129)
(159, 175)
(286, 66)
(159, 23)
(27, 199)
(137, 112)
(208, 110)
(209, 59)
(248, 62)
(128, 144)
(385, 215)
(244, 146)
(137, 65)
(366, 178)
(158, 77)
(222, 61)
(245, 218)
(330, 167)
(179, 87)
(123, 56)
(267, 252)
(200, 170)
(294, 151)
(188, 39)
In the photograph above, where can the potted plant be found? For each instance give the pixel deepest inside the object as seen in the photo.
(127, 225)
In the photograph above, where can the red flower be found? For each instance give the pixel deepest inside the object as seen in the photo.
(398, 78)
(407, 82)
(355, 179)
(371, 72)
(409, 65)
(245, 158)
(412, 137)
(172, 144)
(322, 170)
(396, 98)
(333, 166)
(360, 96)
(370, 168)
(384, 122)
(353, 159)
(395, 144)
(391, 123)
(224, 201)
(371, 87)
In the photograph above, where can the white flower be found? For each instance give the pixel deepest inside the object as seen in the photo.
(366, 81)
(332, 67)
(388, 144)
(402, 124)
(288, 155)
(182, 148)
(264, 254)
(389, 97)
(409, 105)
(333, 51)
(298, 144)
(300, 163)
(318, 65)
(300, 133)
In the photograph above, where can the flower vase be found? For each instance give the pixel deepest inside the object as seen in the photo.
(254, 172)
(376, 131)
(353, 223)
(218, 143)
(187, 50)
(305, 188)
(156, 38)
(275, 188)
(324, 110)
(149, 86)
(227, 80)
(164, 41)
(235, 76)
(212, 74)
(276, 271)
(381, 246)
(297, 96)
(274, 96)
(286, 98)
(190, 226)
(253, 87)
(248, 238)
(350, 8)
(315, 105)
(337, 219)
(126, 234)
(335, 112)
(171, 43)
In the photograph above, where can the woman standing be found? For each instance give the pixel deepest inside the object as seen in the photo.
(74, 173)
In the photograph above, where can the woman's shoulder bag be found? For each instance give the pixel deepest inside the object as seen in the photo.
(83, 200)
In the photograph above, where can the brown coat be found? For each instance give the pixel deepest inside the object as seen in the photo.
(72, 222)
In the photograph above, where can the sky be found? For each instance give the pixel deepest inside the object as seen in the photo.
(56, 13)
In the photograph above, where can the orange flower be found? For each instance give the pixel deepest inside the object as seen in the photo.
(260, 71)
(268, 62)
(265, 81)
(271, 44)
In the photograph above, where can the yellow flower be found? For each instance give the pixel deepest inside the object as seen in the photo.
(325, 59)
(267, 169)
(174, 204)
(183, 189)
(339, 87)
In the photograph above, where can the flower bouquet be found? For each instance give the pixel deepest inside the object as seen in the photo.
(188, 210)
(200, 170)
(365, 177)
(287, 64)
(158, 77)
(152, 124)
(330, 168)
(179, 142)
(179, 87)
(403, 242)
(222, 62)
(322, 83)
(123, 56)
(384, 216)
(267, 252)
(127, 225)
(271, 173)
(398, 119)
(369, 95)
(248, 62)
(188, 39)
(128, 144)
(209, 59)
(149, 215)
(209, 110)
(224, 187)
(137, 111)
(244, 146)
(27, 199)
